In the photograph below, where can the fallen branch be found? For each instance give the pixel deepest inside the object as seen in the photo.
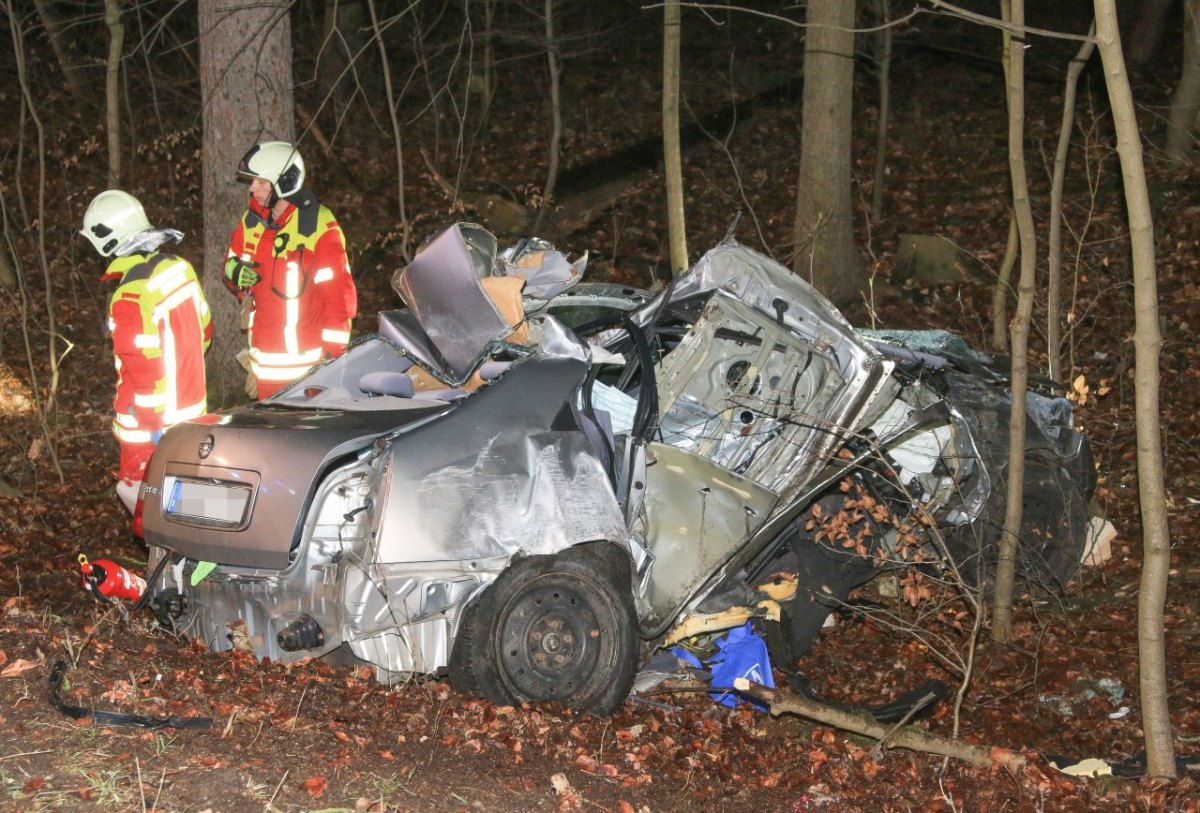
(914, 739)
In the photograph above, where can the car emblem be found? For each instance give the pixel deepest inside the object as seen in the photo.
(206, 447)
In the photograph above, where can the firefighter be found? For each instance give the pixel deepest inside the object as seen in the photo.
(287, 264)
(159, 323)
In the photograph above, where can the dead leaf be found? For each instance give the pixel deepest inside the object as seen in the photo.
(315, 785)
(18, 667)
(561, 784)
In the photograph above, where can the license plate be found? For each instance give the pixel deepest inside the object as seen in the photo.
(207, 502)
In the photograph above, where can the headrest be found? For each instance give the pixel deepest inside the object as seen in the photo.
(382, 382)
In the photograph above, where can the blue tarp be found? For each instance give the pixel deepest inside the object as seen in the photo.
(741, 653)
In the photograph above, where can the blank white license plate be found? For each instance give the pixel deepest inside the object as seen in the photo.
(208, 502)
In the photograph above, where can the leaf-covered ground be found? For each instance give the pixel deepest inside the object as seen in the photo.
(315, 737)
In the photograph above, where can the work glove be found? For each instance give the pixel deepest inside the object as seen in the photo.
(241, 273)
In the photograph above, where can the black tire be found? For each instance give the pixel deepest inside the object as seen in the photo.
(557, 628)
(1053, 532)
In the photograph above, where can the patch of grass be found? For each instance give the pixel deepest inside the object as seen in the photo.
(109, 788)
(388, 787)
(162, 743)
(259, 791)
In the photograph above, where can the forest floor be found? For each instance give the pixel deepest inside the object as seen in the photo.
(316, 737)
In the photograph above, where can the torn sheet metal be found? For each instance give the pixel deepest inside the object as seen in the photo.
(547, 272)
(442, 291)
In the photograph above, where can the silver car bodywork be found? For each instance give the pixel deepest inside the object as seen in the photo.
(356, 511)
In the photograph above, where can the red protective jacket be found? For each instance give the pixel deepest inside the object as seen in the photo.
(160, 327)
(305, 299)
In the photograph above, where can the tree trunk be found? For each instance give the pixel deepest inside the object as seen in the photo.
(343, 67)
(1156, 542)
(1011, 247)
(672, 149)
(554, 64)
(394, 118)
(1185, 103)
(8, 274)
(1054, 247)
(1000, 289)
(1019, 332)
(46, 389)
(246, 97)
(488, 80)
(70, 71)
(1148, 33)
(883, 53)
(823, 234)
(112, 88)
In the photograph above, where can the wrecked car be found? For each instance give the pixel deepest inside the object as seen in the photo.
(532, 508)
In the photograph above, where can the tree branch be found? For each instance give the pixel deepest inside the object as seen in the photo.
(983, 19)
(914, 739)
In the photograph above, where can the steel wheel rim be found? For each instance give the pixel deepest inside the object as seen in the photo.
(549, 640)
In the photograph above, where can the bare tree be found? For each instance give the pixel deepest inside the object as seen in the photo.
(8, 272)
(246, 92)
(46, 405)
(1148, 32)
(112, 85)
(1012, 246)
(70, 71)
(393, 103)
(1152, 496)
(344, 40)
(1018, 329)
(554, 65)
(1185, 103)
(1054, 245)
(883, 66)
(487, 78)
(1000, 289)
(823, 234)
(672, 151)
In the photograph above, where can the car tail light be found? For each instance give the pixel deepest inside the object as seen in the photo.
(136, 525)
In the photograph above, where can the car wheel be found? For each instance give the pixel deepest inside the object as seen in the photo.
(553, 628)
(1053, 532)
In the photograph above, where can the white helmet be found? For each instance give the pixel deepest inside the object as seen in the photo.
(278, 162)
(111, 218)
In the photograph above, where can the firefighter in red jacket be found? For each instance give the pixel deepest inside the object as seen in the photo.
(160, 328)
(287, 263)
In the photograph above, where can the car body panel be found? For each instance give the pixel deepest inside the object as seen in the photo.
(500, 474)
(699, 515)
(243, 448)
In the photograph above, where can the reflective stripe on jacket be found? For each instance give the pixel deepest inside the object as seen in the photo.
(305, 298)
(160, 326)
